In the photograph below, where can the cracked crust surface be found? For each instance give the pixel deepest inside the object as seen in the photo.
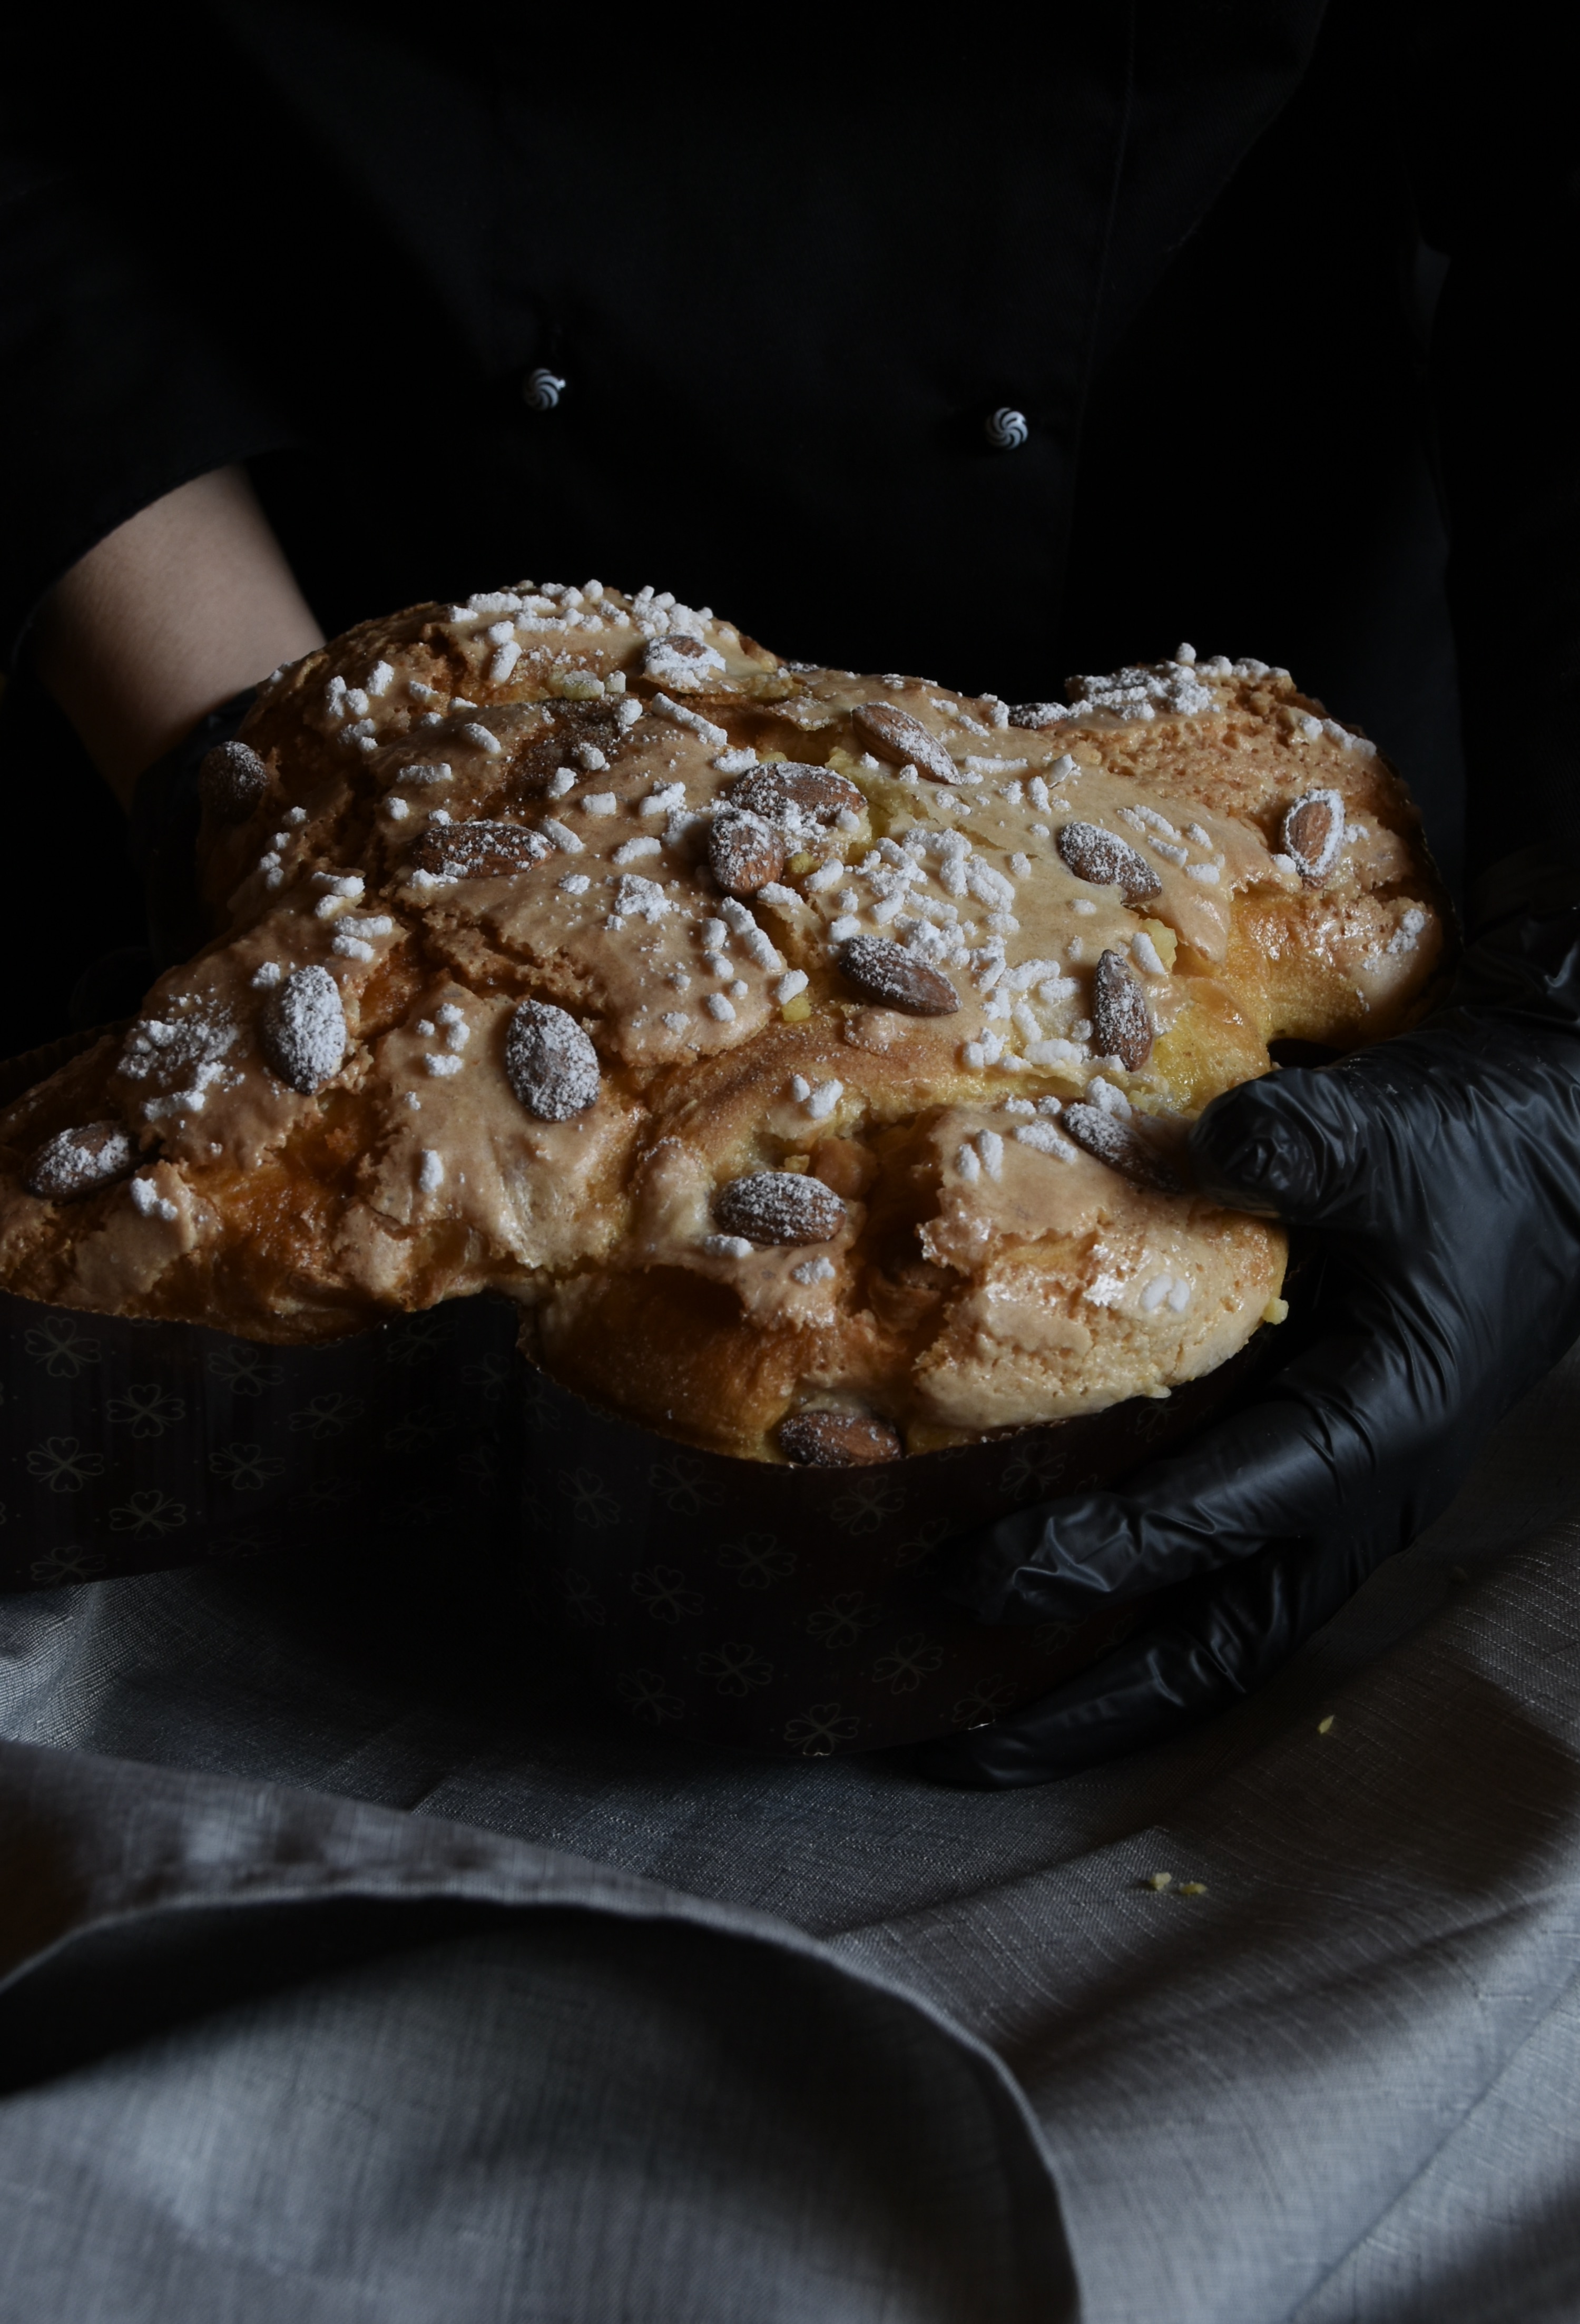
(986, 1270)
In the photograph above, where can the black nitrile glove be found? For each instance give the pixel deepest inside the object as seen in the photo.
(1439, 1176)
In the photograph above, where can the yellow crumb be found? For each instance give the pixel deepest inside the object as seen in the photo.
(1158, 1879)
(802, 863)
(575, 685)
(1192, 1887)
(796, 1162)
(797, 1011)
(1164, 941)
(1324, 1724)
(1275, 1311)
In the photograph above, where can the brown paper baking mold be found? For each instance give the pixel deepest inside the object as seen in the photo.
(799, 1609)
(709, 1597)
(128, 1446)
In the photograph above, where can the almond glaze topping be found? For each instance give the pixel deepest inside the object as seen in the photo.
(1313, 833)
(478, 851)
(231, 781)
(779, 1206)
(884, 972)
(1121, 1019)
(814, 791)
(1095, 855)
(837, 1440)
(744, 854)
(903, 740)
(1109, 1139)
(550, 1063)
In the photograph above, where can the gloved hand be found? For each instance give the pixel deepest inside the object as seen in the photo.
(1439, 1176)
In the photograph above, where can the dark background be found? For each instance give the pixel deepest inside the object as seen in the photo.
(1247, 459)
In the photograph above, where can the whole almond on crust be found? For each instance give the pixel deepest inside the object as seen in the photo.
(1312, 833)
(817, 791)
(78, 1161)
(779, 1206)
(478, 851)
(231, 781)
(744, 854)
(885, 973)
(550, 1063)
(837, 1440)
(1095, 855)
(1109, 1139)
(1121, 1019)
(301, 1030)
(575, 724)
(903, 740)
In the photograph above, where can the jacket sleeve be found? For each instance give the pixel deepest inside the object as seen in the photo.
(114, 388)
(1497, 169)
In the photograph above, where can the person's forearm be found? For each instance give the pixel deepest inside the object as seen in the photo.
(182, 606)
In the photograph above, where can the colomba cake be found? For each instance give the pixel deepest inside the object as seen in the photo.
(810, 1055)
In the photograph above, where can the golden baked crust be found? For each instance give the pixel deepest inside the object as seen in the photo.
(482, 1014)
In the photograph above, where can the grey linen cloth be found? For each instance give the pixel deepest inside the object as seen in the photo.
(372, 1977)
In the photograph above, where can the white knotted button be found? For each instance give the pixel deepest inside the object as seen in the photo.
(543, 389)
(1006, 430)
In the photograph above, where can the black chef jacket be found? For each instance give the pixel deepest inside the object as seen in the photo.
(739, 309)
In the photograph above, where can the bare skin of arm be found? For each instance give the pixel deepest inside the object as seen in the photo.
(181, 607)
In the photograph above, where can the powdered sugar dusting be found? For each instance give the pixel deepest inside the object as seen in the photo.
(149, 1203)
(1142, 689)
(182, 1055)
